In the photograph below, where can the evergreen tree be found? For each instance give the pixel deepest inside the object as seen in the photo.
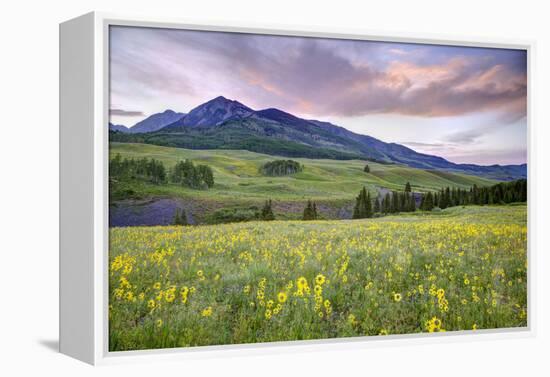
(403, 205)
(387, 203)
(363, 205)
(412, 203)
(310, 211)
(267, 212)
(359, 211)
(428, 202)
(177, 217)
(368, 205)
(205, 173)
(408, 187)
(366, 169)
(180, 218)
(377, 206)
(394, 203)
(443, 199)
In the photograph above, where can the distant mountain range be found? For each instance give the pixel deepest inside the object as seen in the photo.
(152, 123)
(227, 124)
(118, 127)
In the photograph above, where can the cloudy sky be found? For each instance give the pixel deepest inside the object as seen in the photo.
(464, 104)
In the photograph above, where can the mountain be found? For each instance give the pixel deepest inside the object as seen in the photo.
(213, 113)
(156, 121)
(222, 123)
(118, 127)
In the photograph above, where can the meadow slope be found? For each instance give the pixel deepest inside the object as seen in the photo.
(464, 268)
(238, 179)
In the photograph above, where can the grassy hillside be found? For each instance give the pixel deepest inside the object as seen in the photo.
(237, 176)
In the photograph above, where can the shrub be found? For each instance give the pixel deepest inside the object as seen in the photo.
(234, 215)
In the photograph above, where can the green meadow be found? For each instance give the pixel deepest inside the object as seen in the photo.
(238, 180)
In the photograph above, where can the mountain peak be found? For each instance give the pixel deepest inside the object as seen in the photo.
(219, 98)
(216, 111)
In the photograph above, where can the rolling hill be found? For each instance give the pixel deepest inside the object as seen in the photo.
(237, 175)
(333, 184)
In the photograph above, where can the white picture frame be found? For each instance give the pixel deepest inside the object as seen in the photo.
(84, 192)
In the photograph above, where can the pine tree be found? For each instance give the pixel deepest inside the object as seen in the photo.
(366, 169)
(363, 205)
(429, 202)
(387, 203)
(377, 206)
(442, 199)
(180, 218)
(267, 212)
(310, 211)
(359, 209)
(412, 203)
(394, 202)
(315, 215)
(176, 220)
(403, 202)
(368, 205)
(360, 206)
(408, 187)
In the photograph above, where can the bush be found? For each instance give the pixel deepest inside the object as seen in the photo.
(234, 215)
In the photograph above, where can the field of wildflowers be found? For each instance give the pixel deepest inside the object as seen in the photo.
(459, 269)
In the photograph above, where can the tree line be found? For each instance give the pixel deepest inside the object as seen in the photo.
(501, 193)
(184, 173)
(405, 201)
(144, 169)
(395, 202)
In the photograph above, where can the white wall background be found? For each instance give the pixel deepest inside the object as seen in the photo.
(29, 189)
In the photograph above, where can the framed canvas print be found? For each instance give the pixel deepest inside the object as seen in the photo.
(225, 187)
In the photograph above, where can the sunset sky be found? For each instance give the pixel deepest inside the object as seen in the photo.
(467, 105)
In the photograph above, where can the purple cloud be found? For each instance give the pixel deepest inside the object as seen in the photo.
(317, 76)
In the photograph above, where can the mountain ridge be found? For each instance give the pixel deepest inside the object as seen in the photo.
(222, 123)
